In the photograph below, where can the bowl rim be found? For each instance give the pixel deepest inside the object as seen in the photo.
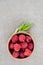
(15, 34)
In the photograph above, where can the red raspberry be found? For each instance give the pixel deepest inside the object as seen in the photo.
(24, 45)
(28, 39)
(17, 47)
(15, 54)
(11, 46)
(22, 38)
(30, 46)
(21, 54)
(14, 38)
(27, 52)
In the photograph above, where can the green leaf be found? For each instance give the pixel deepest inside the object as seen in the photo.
(24, 27)
(21, 27)
(27, 26)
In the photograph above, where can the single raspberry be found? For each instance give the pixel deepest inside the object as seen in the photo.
(17, 47)
(22, 38)
(27, 52)
(14, 38)
(11, 46)
(28, 39)
(24, 45)
(15, 54)
(21, 54)
(30, 46)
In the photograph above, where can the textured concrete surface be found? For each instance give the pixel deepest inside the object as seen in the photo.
(12, 14)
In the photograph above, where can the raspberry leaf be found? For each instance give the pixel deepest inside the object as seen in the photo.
(27, 26)
(21, 27)
(24, 27)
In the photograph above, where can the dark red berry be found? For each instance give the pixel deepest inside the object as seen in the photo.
(17, 47)
(15, 54)
(24, 45)
(22, 38)
(14, 38)
(11, 46)
(21, 54)
(27, 52)
(28, 39)
(30, 46)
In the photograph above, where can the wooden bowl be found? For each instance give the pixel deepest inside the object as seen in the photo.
(19, 33)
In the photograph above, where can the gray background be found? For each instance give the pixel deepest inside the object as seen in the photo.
(12, 14)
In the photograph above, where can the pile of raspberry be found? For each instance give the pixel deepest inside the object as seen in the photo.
(21, 45)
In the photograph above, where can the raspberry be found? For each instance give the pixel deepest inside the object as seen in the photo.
(15, 54)
(11, 46)
(22, 38)
(24, 45)
(17, 47)
(28, 39)
(30, 46)
(22, 55)
(14, 38)
(27, 52)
